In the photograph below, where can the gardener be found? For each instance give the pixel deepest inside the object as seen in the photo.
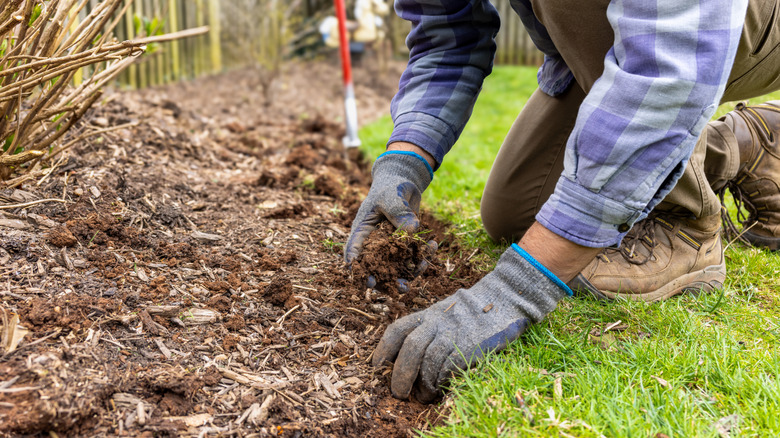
(608, 178)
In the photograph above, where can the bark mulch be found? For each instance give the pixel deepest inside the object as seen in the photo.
(192, 284)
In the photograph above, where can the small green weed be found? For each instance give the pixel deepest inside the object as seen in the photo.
(336, 209)
(307, 182)
(333, 246)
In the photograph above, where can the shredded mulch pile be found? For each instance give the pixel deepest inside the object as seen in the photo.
(192, 283)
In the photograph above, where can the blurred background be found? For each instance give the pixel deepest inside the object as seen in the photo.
(263, 33)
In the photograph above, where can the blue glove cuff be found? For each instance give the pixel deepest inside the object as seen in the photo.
(411, 154)
(524, 254)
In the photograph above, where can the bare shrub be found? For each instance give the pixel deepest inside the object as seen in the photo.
(259, 32)
(43, 44)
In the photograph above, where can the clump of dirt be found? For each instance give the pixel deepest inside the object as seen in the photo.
(281, 178)
(427, 270)
(169, 251)
(289, 211)
(319, 124)
(230, 341)
(174, 404)
(176, 380)
(235, 323)
(304, 156)
(217, 286)
(267, 261)
(61, 236)
(280, 292)
(329, 183)
(286, 257)
(220, 302)
(65, 312)
(389, 255)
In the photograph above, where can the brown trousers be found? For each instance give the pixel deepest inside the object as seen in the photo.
(530, 160)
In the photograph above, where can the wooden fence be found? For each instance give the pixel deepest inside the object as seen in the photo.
(514, 45)
(174, 60)
(210, 53)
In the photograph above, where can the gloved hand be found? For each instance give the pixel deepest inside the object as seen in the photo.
(399, 179)
(429, 346)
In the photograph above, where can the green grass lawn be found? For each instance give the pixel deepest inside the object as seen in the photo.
(690, 366)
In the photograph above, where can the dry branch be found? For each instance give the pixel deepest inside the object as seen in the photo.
(260, 30)
(43, 44)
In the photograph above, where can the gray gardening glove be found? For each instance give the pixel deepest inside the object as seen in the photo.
(399, 179)
(429, 346)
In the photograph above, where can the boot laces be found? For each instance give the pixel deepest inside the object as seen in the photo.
(641, 235)
(742, 203)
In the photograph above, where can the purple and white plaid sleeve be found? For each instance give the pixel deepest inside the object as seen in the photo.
(636, 129)
(451, 52)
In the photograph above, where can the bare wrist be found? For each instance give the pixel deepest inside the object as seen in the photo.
(410, 147)
(562, 257)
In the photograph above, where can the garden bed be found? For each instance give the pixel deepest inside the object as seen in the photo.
(191, 283)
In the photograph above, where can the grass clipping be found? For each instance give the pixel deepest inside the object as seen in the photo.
(43, 46)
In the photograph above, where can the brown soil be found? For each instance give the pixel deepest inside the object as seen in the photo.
(193, 285)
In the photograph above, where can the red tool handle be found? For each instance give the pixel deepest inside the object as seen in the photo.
(350, 140)
(346, 63)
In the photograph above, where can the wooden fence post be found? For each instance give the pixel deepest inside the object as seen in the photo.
(132, 71)
(173, 22)
(161, 58)
(215, 41)
(200, 51)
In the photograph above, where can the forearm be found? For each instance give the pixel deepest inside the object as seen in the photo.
(451, 52)
(409, 147)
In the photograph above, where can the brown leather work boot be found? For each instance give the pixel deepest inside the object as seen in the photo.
(757, 185)
(662, 256)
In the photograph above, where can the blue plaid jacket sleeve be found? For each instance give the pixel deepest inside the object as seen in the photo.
(451, 52)
(636, 128)
(638, 125)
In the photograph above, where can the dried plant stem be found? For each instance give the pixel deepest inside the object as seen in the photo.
(46, 44)
(31, 203)
(87, 135)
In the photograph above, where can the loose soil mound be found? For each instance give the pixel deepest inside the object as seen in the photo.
(192, 282)
(389, 256)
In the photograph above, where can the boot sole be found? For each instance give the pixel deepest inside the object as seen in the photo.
(706, 280)
(757, 240)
